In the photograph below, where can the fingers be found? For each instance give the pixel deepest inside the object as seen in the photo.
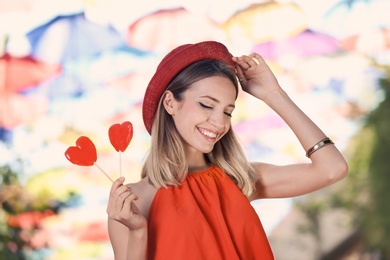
(255, 60)
(121, 197)
(247, 62)
(116, 184)
(128, 203)
(256, 57)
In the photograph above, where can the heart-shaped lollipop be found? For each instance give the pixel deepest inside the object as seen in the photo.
(83, 154)
(120, 135)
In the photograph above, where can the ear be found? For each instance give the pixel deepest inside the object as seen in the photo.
(169, 102)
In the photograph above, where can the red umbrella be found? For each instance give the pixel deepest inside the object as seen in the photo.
(166, 29)
(18, 75)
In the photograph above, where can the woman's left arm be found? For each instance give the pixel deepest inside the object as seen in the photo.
(327, 164)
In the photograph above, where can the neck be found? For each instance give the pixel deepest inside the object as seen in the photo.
(196, 162)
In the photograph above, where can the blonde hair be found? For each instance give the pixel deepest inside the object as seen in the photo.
(166, 163)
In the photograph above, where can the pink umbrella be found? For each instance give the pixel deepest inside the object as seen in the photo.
(306, 44)
(166, 29)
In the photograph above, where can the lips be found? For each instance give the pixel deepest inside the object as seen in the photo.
(208, 134)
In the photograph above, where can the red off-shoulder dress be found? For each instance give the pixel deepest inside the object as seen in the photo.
(207, 217)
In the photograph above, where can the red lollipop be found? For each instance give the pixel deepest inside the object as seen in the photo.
(120, 135)
(83, 154)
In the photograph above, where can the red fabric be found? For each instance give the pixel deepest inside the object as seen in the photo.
(207, 217)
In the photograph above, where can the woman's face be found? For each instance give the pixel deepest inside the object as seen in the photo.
(204, 115)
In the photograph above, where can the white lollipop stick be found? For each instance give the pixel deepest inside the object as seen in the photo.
(103, 172)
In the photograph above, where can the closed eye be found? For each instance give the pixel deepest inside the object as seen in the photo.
(208, 107)
(204, 106)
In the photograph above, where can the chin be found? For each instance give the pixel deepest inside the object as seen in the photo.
(207, 150)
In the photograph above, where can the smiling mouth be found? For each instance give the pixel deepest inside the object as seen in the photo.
(208, 134)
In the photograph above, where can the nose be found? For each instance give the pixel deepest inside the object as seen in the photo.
(218, 120)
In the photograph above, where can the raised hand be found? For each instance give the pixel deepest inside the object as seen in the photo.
(255, 76)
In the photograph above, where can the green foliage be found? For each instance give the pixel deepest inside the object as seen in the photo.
(376, 222)
(21, 213)
(365, 192)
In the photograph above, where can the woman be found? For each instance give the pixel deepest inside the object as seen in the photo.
(193, 201)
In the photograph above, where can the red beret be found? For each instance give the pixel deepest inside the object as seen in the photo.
(171, 65)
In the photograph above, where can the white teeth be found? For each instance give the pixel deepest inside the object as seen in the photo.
(208, 133)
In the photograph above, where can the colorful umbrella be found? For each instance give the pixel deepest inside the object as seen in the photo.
(164, 30)
(305, 44)
(18, 75)
(263, 22)
(70, 37)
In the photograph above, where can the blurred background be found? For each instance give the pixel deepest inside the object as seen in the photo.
(75, 67)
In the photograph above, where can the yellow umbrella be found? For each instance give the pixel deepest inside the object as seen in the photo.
(263, 22)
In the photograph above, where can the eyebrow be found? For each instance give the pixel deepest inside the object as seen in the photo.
(216, 100)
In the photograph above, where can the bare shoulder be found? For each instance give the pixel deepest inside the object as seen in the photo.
(145, 191)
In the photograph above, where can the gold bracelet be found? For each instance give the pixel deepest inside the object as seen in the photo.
(319, 145)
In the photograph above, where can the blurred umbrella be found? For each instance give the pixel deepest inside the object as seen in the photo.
(265, 22)
(110, 64)
(368, 43)
(305, 44)
(166, 29)
(349, 17)
(70, 37)
(16, 109)
(86, 74)
(357, 83)
(18, 75)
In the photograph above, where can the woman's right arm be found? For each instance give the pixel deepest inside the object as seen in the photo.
(127, 227)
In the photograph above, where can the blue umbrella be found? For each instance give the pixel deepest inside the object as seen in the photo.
(83, 75)
(110, 64)
(70, 37)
